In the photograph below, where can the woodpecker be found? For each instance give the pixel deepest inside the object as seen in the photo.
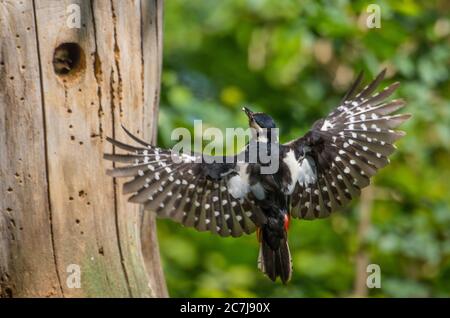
(317, 174)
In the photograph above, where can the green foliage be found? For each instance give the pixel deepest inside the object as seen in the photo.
(294, 60)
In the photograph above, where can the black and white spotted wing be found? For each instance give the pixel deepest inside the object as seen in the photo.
(337, 157)
(207, 196)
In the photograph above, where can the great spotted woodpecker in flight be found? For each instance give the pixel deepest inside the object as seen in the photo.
(317, 174)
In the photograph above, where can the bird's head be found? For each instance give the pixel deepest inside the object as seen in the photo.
(262, 124)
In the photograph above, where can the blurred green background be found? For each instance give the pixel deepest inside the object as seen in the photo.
(294, 60)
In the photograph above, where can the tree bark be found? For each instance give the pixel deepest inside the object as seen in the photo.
(63, 89)
(362, 258)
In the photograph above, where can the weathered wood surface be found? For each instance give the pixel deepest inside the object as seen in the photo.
(57, 206)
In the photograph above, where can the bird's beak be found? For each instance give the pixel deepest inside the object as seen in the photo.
(248, 112)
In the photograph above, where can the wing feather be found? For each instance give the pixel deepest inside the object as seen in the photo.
(347, 148)
(195, 194)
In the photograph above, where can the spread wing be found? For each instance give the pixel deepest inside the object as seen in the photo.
(339, 155)
(207, 196)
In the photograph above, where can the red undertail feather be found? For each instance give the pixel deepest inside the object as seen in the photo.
(287, 220)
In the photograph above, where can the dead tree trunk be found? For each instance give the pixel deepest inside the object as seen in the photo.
(70, 73)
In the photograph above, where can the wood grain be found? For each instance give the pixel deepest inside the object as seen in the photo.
(82, 217)
(27, 260)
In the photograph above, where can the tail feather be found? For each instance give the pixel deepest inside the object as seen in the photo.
(275, 263)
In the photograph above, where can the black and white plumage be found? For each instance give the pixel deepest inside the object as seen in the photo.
(318, 173)
(208, 197)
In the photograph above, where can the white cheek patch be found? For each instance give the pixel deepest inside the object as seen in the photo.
(263, 138)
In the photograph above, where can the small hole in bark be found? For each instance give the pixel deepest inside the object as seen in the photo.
(88, 203)
(100, 251)
(8, 293)
(10, 190)
(70, 126)
(77, 221)
(69, 61)
(8, 209)
(72, 137)
(69, 111)
(70, 198)
(81, 143)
